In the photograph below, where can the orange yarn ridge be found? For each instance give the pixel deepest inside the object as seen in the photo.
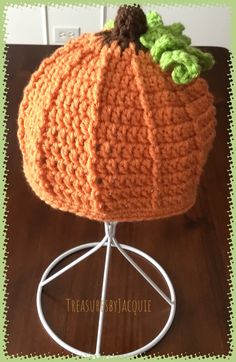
(111, 137)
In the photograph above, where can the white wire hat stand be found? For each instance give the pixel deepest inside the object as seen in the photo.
(108, 241)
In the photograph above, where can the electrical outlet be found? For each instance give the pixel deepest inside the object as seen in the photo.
(62, 35)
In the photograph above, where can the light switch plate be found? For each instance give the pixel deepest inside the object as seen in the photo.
(62, 35)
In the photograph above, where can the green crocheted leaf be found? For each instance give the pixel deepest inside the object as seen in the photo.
(154, 20)
(148, 39)
(172, 49)
(109, 25)
(205, 59)
(155, 30)
(184, 66)
(175, 28)
(164, 43)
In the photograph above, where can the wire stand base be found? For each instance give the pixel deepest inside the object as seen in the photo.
(108, 241)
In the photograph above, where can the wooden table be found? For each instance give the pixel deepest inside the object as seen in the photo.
(193, 249)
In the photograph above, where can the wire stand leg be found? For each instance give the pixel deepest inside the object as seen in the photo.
(144, 275)
(110, 231)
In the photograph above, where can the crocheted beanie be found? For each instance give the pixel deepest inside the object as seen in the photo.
(117, 125)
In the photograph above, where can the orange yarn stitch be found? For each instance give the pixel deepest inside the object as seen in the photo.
(111, 137)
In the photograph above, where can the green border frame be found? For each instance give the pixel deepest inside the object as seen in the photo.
(3, 171)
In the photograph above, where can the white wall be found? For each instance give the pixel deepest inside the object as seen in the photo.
(24, 25)
(87, 18)
(206, 25)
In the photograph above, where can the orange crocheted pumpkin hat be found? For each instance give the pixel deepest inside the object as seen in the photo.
(117, 125)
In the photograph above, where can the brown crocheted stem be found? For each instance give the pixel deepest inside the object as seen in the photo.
(130, 24)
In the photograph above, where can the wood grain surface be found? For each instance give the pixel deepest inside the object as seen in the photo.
(193, 248)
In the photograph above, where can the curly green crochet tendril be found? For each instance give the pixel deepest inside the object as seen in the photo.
(172, 49)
